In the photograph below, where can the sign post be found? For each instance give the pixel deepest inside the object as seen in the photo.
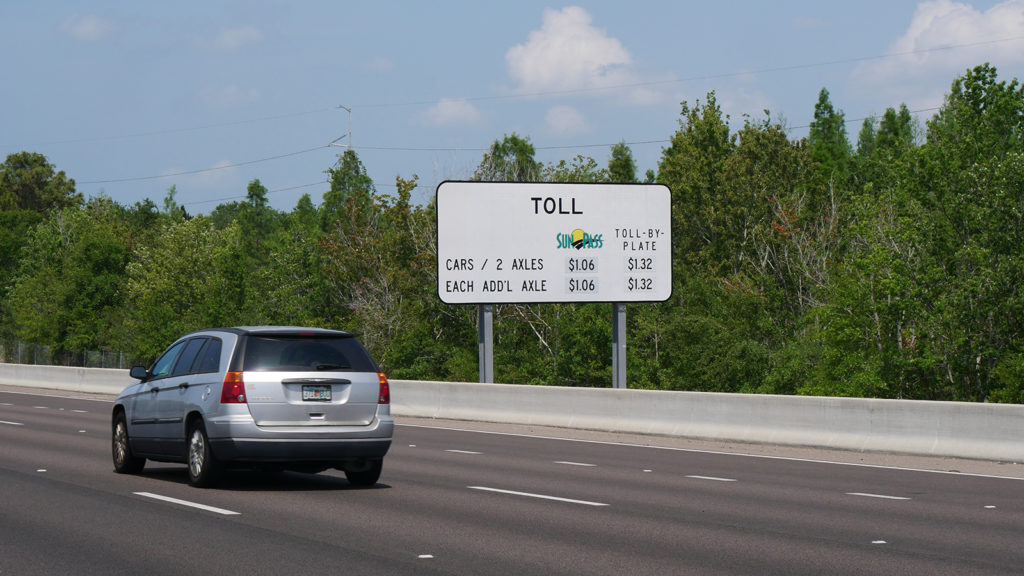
(527, 243)
(618, 345)
(485, 340)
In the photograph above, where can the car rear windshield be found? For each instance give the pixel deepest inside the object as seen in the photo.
(290, 353)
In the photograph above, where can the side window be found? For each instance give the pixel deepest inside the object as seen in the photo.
(188, 356)
(162, 366)
(210, 362)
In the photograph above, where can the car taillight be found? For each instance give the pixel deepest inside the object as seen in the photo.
(233, 391)
(385, 389)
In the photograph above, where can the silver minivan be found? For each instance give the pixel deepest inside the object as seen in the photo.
(268, 397)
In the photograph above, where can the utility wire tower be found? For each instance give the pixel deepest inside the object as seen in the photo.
(349, 110)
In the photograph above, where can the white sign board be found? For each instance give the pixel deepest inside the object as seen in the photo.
(508, 242)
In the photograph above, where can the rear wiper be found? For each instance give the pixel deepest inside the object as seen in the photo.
(330, 367)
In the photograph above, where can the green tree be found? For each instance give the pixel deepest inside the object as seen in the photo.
(621, 166)
(29, 182)
(303, 218)
(579, 169)
(971, 183)
(510, 159)
(68, 290)
(885, 154)
(827, 138)
(171, 208)
(30, 188)
(259, 223)
(349, 183)
(184, 280)
(693, 168)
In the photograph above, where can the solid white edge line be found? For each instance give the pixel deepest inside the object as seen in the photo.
(11, 423)
(65, 397)
(716, 452)
(187, 503)
(882, 496)
(531, 495)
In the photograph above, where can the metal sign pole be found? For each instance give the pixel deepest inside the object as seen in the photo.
(485, 340)
(618, 345)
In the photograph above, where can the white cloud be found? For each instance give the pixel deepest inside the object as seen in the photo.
(228, 96)
(565, 121)
(234, 38)
(88, 28)
(920, 66)
(452, 111)
(568, 53)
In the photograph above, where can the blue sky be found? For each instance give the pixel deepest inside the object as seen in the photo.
(129, 98)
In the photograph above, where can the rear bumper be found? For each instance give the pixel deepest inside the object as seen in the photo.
(304, 450)
(239, 439)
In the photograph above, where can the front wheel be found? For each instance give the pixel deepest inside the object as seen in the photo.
(366, 475)
(204, 470)
(124, 461)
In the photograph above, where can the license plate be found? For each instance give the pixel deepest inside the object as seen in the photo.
(316, 393)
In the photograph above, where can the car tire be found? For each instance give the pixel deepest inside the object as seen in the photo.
(365, 476)
(204, 470)
(124, 461)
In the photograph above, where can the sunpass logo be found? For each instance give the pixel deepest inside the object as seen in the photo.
(579, 240)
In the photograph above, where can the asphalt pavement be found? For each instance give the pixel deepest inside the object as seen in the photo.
(473, 498)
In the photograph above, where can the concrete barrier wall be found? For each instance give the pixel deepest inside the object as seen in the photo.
(94, 380)
(951, 429)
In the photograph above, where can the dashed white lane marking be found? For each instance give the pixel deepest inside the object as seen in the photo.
(882, 496)
(11, 423)
(463, 452)
(541, 496)
(576, 464)
(186, 503)
(425, 556)
(713, 478)
(715, 452)
(80, 411)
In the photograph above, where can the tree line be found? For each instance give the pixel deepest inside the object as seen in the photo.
(888, 267)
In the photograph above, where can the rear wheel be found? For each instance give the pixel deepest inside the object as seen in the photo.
(124, 461)
(366, 474)
(204, 470)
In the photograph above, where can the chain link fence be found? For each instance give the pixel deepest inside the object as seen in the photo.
(12, 352)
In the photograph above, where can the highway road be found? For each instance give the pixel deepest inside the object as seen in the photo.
(483, 501)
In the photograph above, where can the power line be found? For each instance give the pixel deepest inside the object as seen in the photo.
(580, 146)
(286, 189)
(202, 170)
(550, 93)
(787, 68)
(513, 97)
(173, 130)
(406, 149)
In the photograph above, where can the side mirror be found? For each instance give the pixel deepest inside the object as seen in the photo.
(138, 372)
